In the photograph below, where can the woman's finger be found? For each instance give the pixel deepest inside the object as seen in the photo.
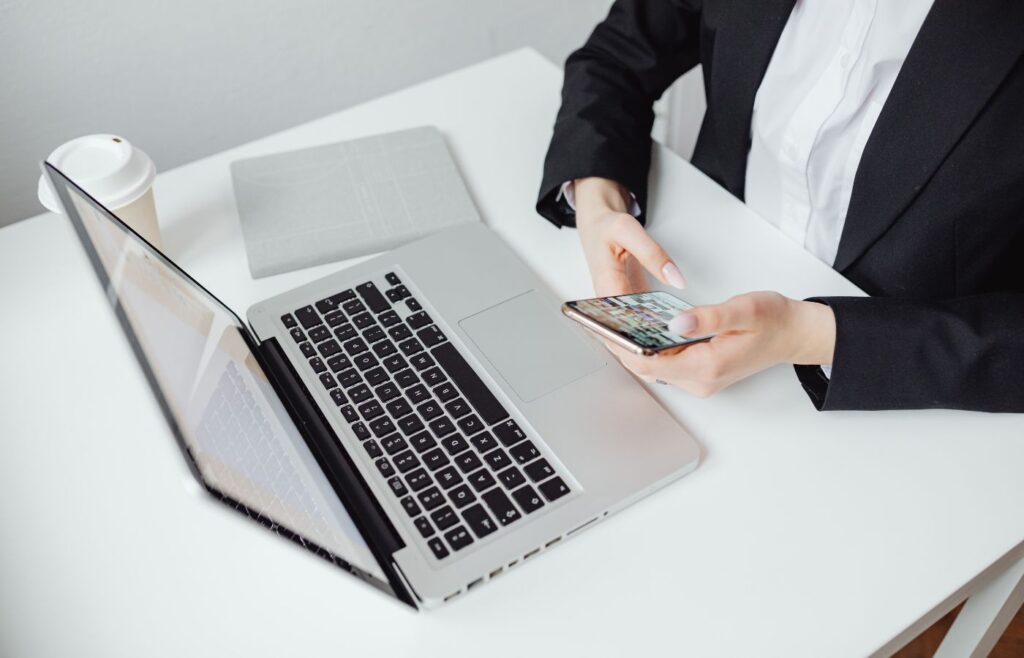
(632, 237)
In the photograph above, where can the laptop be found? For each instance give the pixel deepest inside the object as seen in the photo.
(426, 420)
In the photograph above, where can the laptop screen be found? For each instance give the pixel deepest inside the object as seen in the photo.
(241, 440)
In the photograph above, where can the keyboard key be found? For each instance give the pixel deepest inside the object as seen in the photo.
(411, 508)
(307, 350)
(524, 452)
(349, 413)
(423, 526)
(317, 364)
(412, 304)
(372, 297)
(353, 307)
(317, 334)
(402, 291)
(393, 295)
(374, 334)
(395, 362)
(435, 459)
(410, 346)
(417, 394)
(442, 426)
(528, 499)
(446, 392)
(467, 461)
(397, 486)
(421, 361)
(327, 379)
(288, 321)
(349, 378)
(329, 348)
(457, 409)
(458, 538)
(297, 335)
(389, 318)
(429, 410)
(385, 468)
(431, 498)
(377, 376)
(343, 297)
(400, 332)
(339, 362)
(554, 488)
(418, 320)
(370, 410)
(360, 393)
(483, 442)
(363, 320)
(381, 426)
(448, 477)
(437, 547)
(509, 433)
(511, 477)
(502, 507)
(308, 317)
(372, 449)
(384, 348)
(398, 408)
(406, 461)
(365, 361)
(467, 381)
(338, 396)
(431, 335)
(433, 377)
(361, 432)
(410, 425)
(345, 332)
(406, 378)
(385, 392)
(355, 346)
(454, 444)
(462, 496)
(335, 318)
(394, 444)
(479, 520)
(482, 480)
(444, 517)
(497, 459)
(392, 278)
(422, 442)
(470, 424)
(418, 479)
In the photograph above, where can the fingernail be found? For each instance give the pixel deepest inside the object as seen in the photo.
(673, 276)
(683, 323)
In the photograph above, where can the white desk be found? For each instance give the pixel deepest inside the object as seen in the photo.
(802, 534)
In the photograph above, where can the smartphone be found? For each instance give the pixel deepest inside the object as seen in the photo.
(637, 322)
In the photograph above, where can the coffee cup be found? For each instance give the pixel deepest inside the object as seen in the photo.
(115, 173)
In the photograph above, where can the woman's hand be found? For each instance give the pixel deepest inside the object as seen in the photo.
(616, 246)
(754, 331)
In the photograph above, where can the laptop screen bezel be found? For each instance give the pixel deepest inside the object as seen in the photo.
(60, 185)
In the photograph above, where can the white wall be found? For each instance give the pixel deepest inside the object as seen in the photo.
(186, 78)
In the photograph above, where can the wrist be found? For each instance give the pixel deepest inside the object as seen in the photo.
(813, 332)
(596, 196)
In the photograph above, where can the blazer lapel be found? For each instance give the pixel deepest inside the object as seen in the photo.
(962, 53)
(744, 45)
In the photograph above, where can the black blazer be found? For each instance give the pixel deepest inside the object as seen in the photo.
(935, 227)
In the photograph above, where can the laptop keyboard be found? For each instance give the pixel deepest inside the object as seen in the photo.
(459, 465)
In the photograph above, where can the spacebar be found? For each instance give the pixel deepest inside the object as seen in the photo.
(470, 384)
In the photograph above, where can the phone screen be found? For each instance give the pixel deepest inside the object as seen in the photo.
(641, 318)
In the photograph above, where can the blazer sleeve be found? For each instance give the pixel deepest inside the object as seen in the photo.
(604, 125)
(895, 353)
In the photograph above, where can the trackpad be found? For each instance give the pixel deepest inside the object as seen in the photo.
(534, 347)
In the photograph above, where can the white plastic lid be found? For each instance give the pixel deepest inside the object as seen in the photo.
(108, 167)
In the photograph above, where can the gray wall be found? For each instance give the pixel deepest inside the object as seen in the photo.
(187, 78)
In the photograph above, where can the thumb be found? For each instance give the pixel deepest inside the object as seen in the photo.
(711, 319)
(632, 237)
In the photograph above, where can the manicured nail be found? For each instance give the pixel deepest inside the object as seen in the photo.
(673, 276)
(683, 323)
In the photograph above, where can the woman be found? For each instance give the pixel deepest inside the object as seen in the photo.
(885, 137)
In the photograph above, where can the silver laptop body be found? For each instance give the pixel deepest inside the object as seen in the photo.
(517, 422)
